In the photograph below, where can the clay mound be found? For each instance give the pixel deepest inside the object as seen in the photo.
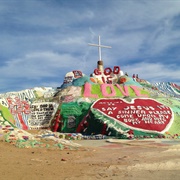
(86, 105)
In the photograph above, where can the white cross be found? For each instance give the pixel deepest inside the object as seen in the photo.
(99, 47)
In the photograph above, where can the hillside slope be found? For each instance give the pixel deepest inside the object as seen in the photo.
(128, 108)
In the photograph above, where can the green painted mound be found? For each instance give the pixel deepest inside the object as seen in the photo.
(125, 109)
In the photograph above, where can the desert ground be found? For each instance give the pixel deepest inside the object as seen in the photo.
(95, 159)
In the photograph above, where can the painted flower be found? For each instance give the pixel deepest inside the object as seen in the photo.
(122, 80)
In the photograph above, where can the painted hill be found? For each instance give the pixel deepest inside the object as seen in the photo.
(169, 88)
(108, 103)
(129, 93)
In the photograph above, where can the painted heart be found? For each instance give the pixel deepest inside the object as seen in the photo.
(143, 114)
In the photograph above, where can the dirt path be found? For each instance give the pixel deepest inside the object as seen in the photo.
(95, 160)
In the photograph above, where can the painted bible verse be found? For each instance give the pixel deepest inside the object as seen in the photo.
(143, 114)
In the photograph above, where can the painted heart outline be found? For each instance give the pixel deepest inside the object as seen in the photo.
(144, 114)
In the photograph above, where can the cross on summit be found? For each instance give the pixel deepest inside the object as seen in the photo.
(99, 47)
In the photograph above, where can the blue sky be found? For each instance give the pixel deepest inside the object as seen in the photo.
(42, 40)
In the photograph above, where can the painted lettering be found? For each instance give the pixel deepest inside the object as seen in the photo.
(104, 90)
(87, 91)
(103, 87)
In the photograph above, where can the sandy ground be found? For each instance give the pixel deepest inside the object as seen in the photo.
(96, 159)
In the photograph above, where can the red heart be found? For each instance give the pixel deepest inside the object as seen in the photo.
(142, 114)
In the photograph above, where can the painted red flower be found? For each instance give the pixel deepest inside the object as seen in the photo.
(122, 80)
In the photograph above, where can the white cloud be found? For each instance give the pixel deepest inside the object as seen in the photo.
(43, 40)
(38, 65)
(154, 71)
